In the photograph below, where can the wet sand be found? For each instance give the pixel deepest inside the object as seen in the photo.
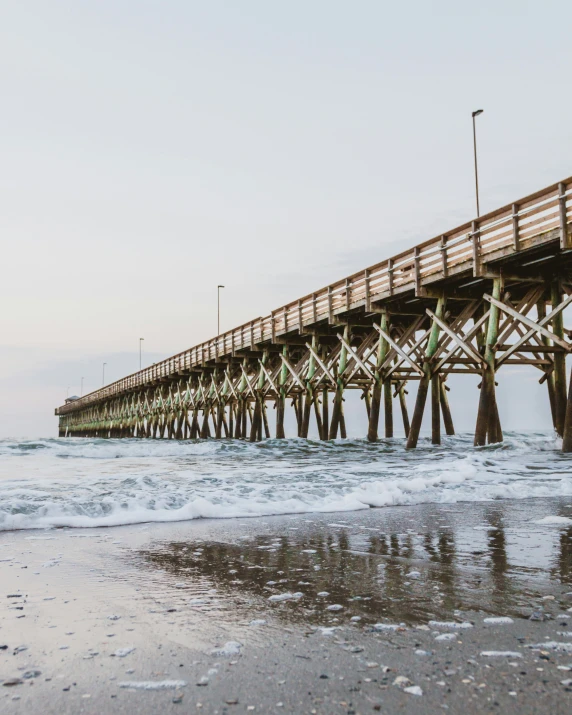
(380, 610)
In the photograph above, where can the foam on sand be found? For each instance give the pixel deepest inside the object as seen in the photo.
(154, 684)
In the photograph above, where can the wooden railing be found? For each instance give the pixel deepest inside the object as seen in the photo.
(509, 230)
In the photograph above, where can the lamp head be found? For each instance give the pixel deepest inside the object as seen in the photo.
(220, 286)
(477, 112)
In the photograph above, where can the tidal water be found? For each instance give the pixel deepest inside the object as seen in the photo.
(95, 482)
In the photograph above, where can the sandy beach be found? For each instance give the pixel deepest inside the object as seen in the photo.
(383, 610)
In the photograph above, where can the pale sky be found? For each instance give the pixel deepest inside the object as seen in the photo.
(152, 150)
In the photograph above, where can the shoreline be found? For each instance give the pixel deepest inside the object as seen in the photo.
(236, 609)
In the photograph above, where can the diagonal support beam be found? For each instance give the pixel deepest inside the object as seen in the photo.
(321, 364)
(538, 327)
(403, 340)
(461, 343)
(355, 356)
(268, 377)
(292, 372)
(245, 375)
(402, 354)
(535, 327)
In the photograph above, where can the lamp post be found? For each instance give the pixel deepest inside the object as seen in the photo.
(140, 343)
(218, 309)
(103, 375)
(474, 115)
(81, 390)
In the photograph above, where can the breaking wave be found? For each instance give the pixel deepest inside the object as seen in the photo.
(95, 482)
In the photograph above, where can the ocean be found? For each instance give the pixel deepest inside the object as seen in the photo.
(95, 482)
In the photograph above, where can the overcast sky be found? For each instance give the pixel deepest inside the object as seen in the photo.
(152, 150)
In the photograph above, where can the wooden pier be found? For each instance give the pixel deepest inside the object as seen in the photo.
(489, 293)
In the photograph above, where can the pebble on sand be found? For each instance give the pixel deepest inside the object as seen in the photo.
(122, 652)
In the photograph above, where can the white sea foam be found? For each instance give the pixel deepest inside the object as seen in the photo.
(154, 684)
(92, 483)
(450, 625)
(557, 520)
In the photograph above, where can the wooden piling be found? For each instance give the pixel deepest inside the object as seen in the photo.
(339, 394)
(548, 376)
(487, 400)
(559, 361)
(281, 397)
(404, 413)
(374, 411)
(425, 380)
(325, 416)
(388, 408)
(435, 409)
(445, 410)
(567, 437)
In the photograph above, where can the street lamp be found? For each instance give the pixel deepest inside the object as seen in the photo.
(81, 390)
(218, 309)
(140, 342)
(103, 375)
(474, 115)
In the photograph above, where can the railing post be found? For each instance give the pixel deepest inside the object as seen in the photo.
(390, 275)
(515, 228)
(564, 238)
(417, 270)
(443, 250)
(476, 236)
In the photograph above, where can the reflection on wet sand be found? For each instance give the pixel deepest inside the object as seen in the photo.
(402, 577)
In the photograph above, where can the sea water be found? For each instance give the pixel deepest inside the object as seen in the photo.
(95, 482)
